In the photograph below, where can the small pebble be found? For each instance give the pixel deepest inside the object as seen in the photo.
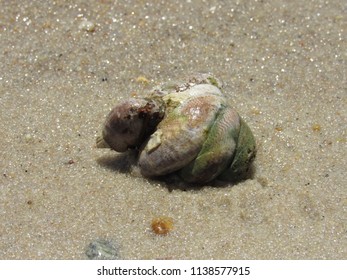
(102, 250)
(87, 25)
(142, 80)
(316, 127)
(29, 138)
(162, 225)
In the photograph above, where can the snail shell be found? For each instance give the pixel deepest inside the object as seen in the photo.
(189, 129)
(130, 123)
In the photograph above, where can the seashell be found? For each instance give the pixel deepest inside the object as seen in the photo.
(162, 225)
(187, 128)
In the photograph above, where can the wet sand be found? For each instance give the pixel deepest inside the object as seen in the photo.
(64, 66)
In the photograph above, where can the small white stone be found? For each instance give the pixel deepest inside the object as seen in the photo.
(28, 138)
(87, 25)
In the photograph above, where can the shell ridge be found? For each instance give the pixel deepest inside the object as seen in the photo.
(182, 137)
(244, 156)
(218, 149)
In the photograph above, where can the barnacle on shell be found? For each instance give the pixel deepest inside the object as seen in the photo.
(187, 128)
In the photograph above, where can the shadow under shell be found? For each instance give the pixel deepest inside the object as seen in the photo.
(125, 162)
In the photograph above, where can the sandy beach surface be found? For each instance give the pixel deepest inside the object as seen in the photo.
(65, 64)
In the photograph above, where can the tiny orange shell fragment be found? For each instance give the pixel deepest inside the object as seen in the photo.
(316, 127)
(162, 225)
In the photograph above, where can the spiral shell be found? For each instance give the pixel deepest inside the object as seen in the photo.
(188, 128)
